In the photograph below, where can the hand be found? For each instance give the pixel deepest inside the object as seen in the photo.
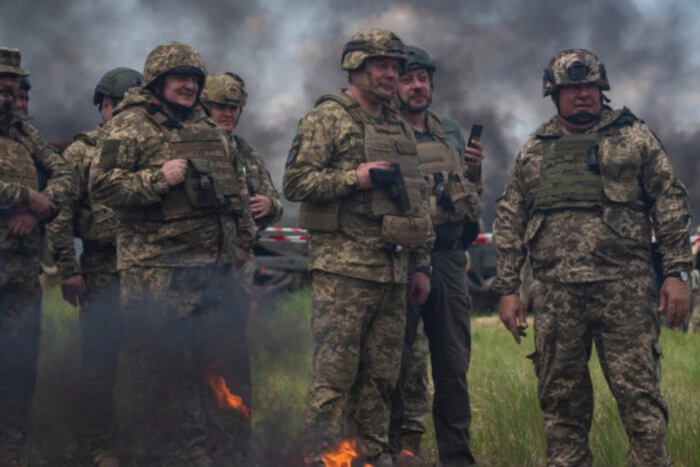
(362, 172)
(512, 314)
(74, 288)
(22, 223)
(260, 206)
(40, 205)
(675, 298)
(419, 289)
(174, 171)
(240, 257)
(473, 157)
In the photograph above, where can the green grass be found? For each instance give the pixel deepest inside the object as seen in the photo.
(507, 424)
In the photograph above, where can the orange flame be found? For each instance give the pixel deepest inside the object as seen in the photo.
(402, 457)
(226, 399)
(342, 454)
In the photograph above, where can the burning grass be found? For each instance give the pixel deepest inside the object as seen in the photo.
(506, 429)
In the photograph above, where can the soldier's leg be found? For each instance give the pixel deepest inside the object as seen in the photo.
(341, 307)
(446, 316)
(380, 358)
(562, 348)
(629, 351)
(100, 335)
(168, 426)
(416, 395)
(20, 310)
(398, 396)
(694, 317)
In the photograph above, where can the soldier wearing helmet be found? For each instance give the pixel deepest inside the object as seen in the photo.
(25, 203)
(169, 174)
(224, 97)
(587, 188)
(93, 284)
(455, 211)
(363, 219)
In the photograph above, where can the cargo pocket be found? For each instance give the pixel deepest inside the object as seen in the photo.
(533, 226)
(657, 353)
(536, 360)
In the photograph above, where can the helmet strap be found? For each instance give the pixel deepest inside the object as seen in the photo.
(371, 88)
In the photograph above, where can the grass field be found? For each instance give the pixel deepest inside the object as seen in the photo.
(506, 430)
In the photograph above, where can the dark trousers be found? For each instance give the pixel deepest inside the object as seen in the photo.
(446, 318)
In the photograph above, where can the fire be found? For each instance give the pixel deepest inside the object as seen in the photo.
(226, 399)
(403, 455)
(342, 454)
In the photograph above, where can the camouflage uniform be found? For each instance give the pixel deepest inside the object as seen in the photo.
(23, 152)
(225, 432)
(175, 254)
(590, 255)
(358, 286)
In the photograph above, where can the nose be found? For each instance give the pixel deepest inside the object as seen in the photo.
(192, 82)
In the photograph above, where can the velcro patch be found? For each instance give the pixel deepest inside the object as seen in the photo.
(294, 150)
(109, 154)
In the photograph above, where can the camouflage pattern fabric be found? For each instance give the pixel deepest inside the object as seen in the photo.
(323, 168)
(171, 55)
(635, 169)
(620, 317)
(693, 318)
(122, 179)
(358, 329)
(11, 61)
(372, 43)
(417, 395)
(223, 89)
(179, 325)
(101, 337)
(562, 71)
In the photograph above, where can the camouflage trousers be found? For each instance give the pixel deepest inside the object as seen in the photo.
(20, 328)
(620, 317)
(101, 337)
(693, 319)
(358, 329)
(416, 392)
(179, 334)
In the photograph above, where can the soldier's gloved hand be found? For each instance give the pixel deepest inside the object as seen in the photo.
(22, 223)
(419, 290)
(260, 206)
(39, 205)
(362, 172)
(474, 156)
(512, 314)
(675, 298)
(73, 288)
(174, 171)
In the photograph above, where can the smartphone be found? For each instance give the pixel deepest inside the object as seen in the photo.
(475, 134)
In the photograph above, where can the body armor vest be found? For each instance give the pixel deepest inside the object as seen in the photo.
(211, 184)
(93, 222)
(382, 142)
(570, 174)
(453, 197)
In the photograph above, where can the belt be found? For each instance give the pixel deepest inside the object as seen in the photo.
(451, 244)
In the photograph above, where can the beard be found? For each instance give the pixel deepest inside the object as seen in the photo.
(7, 105)
(406, 106)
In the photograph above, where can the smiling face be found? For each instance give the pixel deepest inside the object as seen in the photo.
(415, 91)
(181, 89)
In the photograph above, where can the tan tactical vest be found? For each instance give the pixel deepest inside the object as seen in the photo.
(441, 157)
(94, 222)
(381, 142)
(203, 147)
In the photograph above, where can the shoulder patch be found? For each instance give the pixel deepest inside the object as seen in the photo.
(294, 150)
(109, 154)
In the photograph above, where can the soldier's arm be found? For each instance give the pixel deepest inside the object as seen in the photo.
(116, 179)
(246, 229)
(454, 132)
(265, 188)
(670, 210)
(13, 196)
(308, 175)
(61, 231)
(508, 232)
(62, 185)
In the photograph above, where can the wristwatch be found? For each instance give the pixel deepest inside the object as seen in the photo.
(682, 275)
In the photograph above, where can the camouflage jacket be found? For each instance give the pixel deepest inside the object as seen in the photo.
(123, 177)
(613, 242)
(60, 180)
(258, 180)
(75, 219)
(327, 138)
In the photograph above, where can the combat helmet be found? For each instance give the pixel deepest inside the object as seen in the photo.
(173, 57)
(25, 84)
(115, 83)
(226, 89)
(573, 67)
(11, 61)
(372, 43)
(418, 58)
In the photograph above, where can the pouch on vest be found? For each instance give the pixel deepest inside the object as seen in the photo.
(322, 217)
(408, 232)
(200, 186)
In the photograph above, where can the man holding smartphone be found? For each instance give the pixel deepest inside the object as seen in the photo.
(453, 169)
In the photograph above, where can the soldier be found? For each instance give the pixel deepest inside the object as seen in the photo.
(586, 189)
(358, 241)
(22, 99)
(223, 98)
(24, 204)
(455, 211)
(693, 320)
(94, 283)
(184, 227)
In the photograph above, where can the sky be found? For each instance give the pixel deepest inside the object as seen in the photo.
(490, 56)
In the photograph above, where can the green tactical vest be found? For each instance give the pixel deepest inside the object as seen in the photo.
(570, 174)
